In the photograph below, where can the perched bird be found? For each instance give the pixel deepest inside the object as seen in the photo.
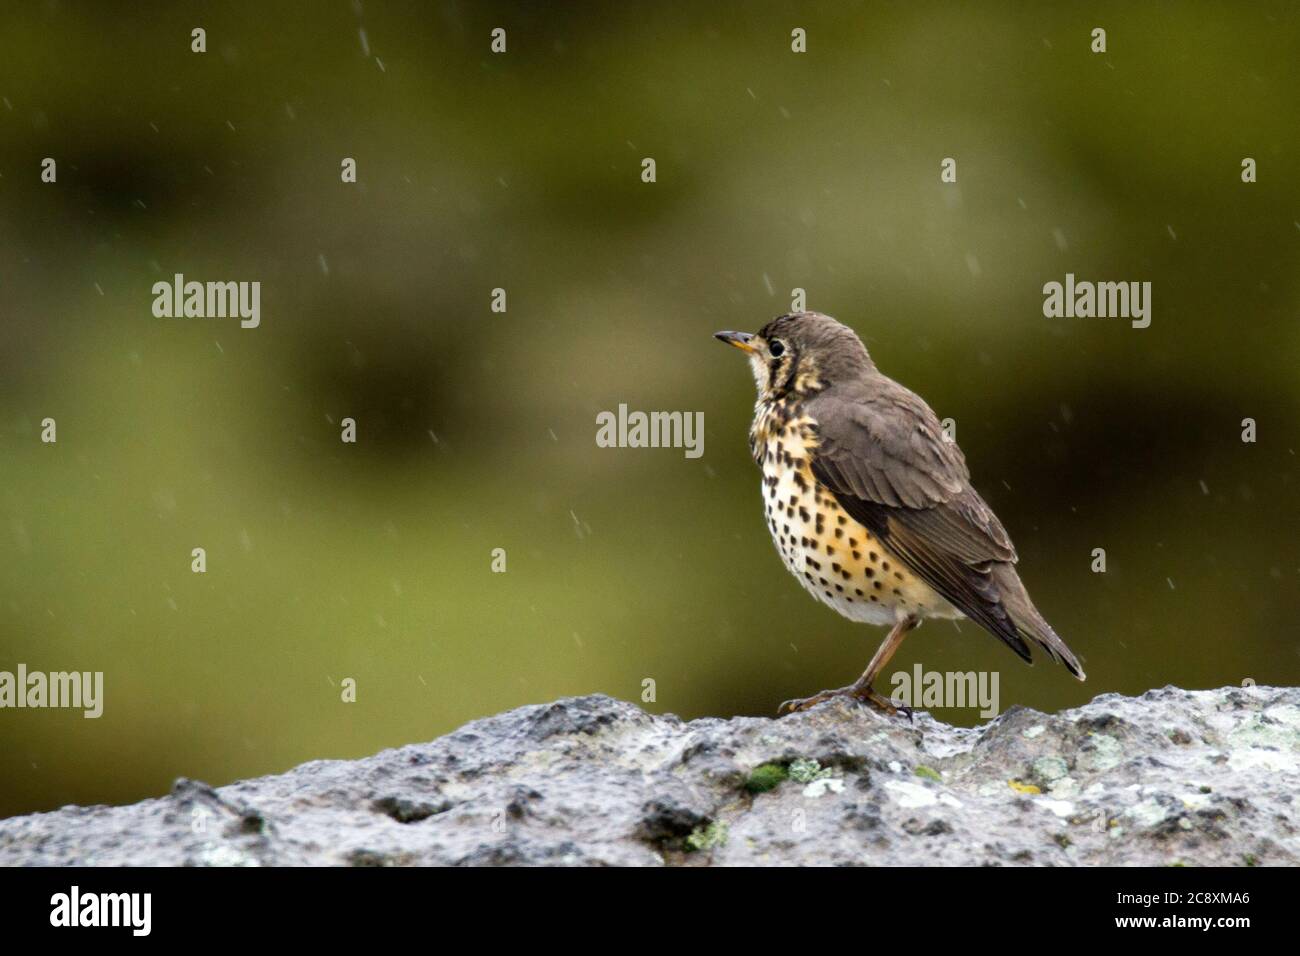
(870, 504)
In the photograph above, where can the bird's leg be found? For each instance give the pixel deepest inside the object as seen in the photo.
(861, 689)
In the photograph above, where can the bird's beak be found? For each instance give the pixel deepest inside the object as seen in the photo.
(740, 340)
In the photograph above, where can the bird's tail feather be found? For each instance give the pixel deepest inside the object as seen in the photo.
(1030, 624)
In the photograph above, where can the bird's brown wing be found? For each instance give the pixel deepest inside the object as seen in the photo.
(882, 454)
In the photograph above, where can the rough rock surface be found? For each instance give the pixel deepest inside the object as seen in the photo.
(1173, 776)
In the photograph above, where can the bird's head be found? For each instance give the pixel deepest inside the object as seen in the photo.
(800, 353)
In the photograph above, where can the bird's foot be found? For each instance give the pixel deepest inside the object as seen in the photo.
(861, 694)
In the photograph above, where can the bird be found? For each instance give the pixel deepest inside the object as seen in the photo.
(870, 504)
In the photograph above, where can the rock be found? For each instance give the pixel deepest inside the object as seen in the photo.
(1173, 776)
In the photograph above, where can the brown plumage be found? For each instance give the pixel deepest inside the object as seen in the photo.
(879, 452)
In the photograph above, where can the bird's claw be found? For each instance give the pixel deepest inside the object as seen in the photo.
(803, 703)
(862, 696)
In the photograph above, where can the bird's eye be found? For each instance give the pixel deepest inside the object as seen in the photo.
(776, 348)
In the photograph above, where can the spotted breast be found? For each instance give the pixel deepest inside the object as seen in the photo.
(833, 556)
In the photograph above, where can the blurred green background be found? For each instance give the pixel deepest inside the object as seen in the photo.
(477, 430)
